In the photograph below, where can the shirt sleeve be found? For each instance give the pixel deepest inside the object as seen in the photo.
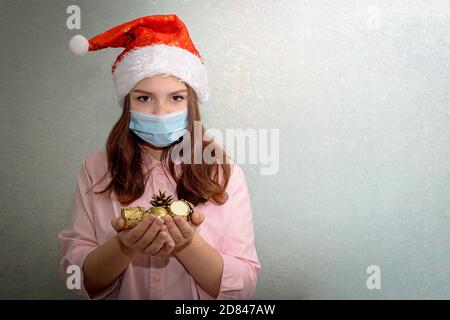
(78, 239)
(240, 260)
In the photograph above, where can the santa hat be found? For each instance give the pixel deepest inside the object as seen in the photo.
(154, 45)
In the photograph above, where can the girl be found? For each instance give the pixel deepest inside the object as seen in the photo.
(160, 78)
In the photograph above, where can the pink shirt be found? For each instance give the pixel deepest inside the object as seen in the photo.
(228, 228)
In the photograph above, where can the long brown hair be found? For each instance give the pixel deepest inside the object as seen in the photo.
(197, 183)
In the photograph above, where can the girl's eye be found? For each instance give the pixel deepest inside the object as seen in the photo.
(178, 98)
(143, 98)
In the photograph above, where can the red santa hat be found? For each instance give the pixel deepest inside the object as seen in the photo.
(154, 45)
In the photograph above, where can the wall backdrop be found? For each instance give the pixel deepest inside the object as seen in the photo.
(360, 93)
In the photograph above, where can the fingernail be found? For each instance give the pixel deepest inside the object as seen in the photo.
(150, 218)
(159, 221)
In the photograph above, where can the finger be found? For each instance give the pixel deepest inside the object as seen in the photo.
(160, 253)
(175, 233)
(167, 248)
(197, 218)
(169, 245)
(156, 244)
(132, 236)
(184, 226)
(117, 223)
(150, 234)
(164, 228)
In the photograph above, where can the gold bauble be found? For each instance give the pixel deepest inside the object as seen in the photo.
(132, 216)
(181, 208)
(158, 212)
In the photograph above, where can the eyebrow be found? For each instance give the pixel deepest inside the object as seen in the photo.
(151, 93)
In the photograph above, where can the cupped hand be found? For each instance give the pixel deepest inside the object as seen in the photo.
(148, 237)
(181, 231)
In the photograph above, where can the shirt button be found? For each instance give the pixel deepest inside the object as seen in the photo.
(157, 278)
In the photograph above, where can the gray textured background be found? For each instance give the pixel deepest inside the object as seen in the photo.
(359, 90)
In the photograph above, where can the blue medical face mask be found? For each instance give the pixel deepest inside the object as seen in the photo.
(159, 130)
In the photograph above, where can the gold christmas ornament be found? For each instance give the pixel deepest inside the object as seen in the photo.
(181, 208)
(158, 211)
(162, 205)
(132, 216)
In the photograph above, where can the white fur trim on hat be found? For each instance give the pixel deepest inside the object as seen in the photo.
(160, 59)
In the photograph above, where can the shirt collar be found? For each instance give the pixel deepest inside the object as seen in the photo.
(150, 163)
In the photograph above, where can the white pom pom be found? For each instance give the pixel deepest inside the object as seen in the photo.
(79, 45)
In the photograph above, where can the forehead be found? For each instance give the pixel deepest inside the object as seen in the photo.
(160, 83)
